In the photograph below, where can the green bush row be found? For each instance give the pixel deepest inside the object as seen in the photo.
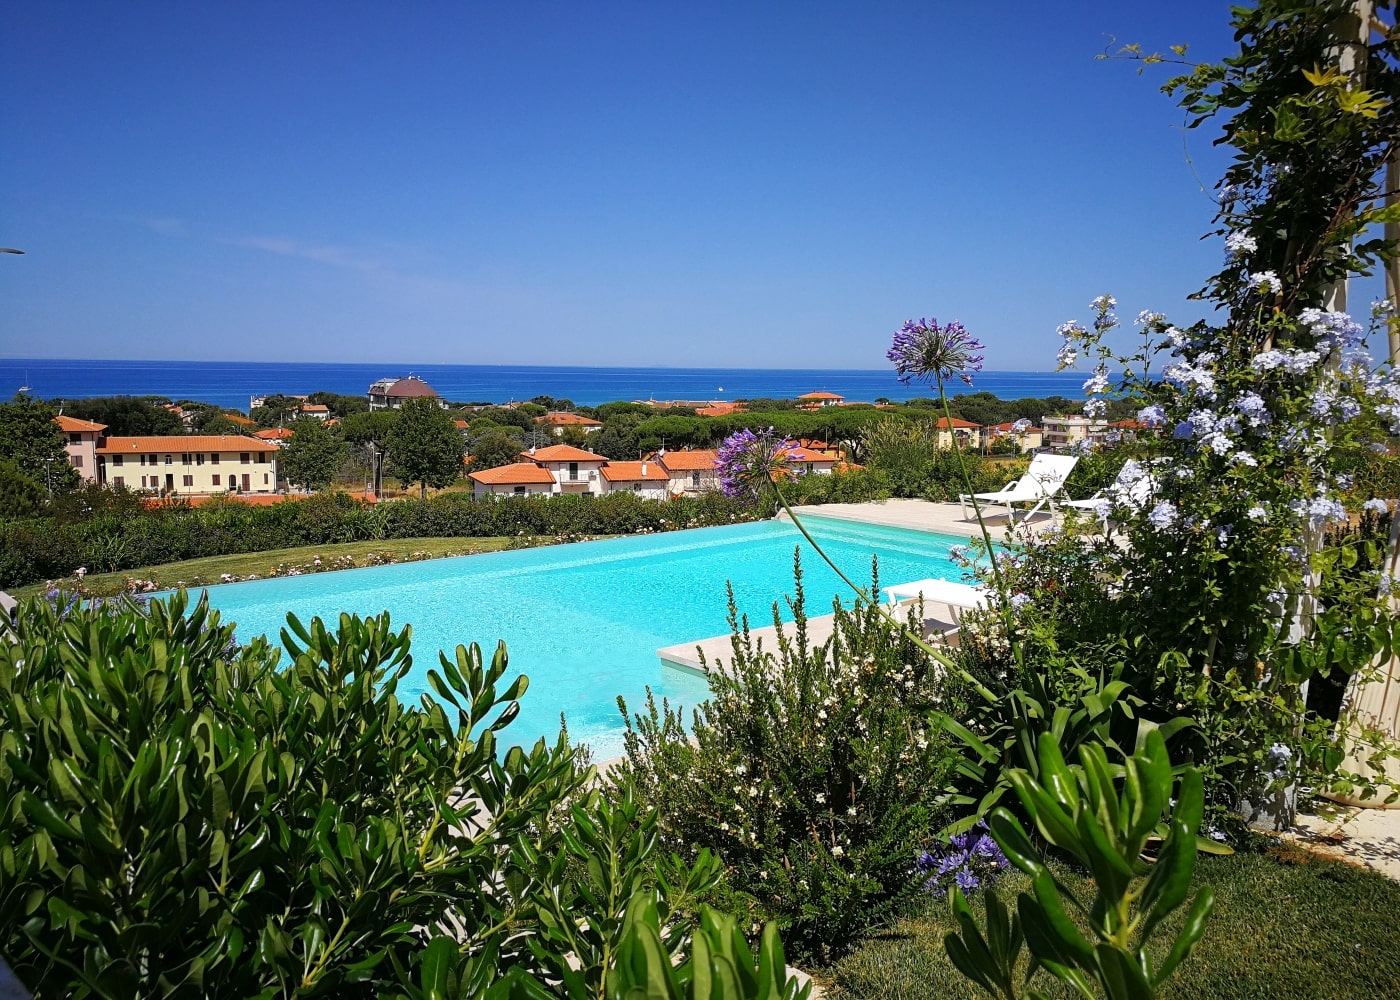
(110, 540)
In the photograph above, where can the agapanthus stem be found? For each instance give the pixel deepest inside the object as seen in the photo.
(1004, 596)
(915, 637)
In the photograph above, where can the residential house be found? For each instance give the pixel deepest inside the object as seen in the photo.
(194, 465)
(316, 411)
(574, 470)
(647, 479)
(719, 409)
(1064, 433)
(1029, 438)
(810, 461)
(689, 470)
(392, 393)
(81, 438)
(556, 422)
(519, 479)
(964, 433)
(819, 400)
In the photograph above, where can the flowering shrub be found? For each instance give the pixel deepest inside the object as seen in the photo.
(811, 770)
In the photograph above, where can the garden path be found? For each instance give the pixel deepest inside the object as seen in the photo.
(1369, 838)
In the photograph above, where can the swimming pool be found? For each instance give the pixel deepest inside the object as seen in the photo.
(585, 620)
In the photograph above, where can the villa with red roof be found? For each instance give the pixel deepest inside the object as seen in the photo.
(647, 479)
(517, 479)
(690, 470)
(274, 434)
(964, 432)
(556, 422)
(808, 460)
(81, 438)
(1029, 439)
(392, 393)
(817, 400)
(189, 464)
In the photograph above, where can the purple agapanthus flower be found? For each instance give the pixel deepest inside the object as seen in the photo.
(924, 350)
(748, 460)
(971, 860)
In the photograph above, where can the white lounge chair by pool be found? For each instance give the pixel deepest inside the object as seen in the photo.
(1042, 481)
(946, 592)
(1134, 489)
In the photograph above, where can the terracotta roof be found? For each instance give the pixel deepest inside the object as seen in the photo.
(567, 420)
(1009, 427)
(518, 474)
(942, 423)
(315, 408)
(412, 385)
(72, 425)
(561, 453)
(461, 424)
(718, 410)
(820, 395)
(1133, 425)
(275, 434)
(807, 455)
(239, 418)
(631, 472)
(183, 443)
(688, 460)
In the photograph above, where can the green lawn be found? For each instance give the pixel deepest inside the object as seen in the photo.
(203, 572)
(1286, 925)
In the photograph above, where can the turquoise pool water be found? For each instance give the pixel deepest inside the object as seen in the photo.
(584, 620)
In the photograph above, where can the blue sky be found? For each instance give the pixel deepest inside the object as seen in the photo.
(765, 185)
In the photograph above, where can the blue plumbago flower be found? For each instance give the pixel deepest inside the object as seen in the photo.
(1264, 281)
(1083, 446)
(746, 461)
(1147, 317)
(1183, 430)
(958, 553)
(925, 350)
(1106, 319)
(1103, 303)
(1095, 408)
(1294, 362)
(1345, 480)
(1339, 333)
(1254, 409)
(971, 860)
(1098, 382)
(1066, 356)
(1239, 243)
(1385, 584)
(1178, 339)
(1163, 516)
(1376, 504)
(1020, 426)
(1153, 416)
(1382, 309)
(1191, 378)
(1320, 511)
(1019, 601)
(1276, 764)
(1244, 458)
(1228, 193)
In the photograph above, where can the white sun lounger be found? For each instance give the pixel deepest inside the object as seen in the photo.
(1042, 481)
(954, 595)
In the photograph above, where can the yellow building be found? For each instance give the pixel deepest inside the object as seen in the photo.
(197, 464)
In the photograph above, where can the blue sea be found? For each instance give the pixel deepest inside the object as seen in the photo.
(230, 384)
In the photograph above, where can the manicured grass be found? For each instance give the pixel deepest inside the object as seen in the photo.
(1286, 925)
(204, 572)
